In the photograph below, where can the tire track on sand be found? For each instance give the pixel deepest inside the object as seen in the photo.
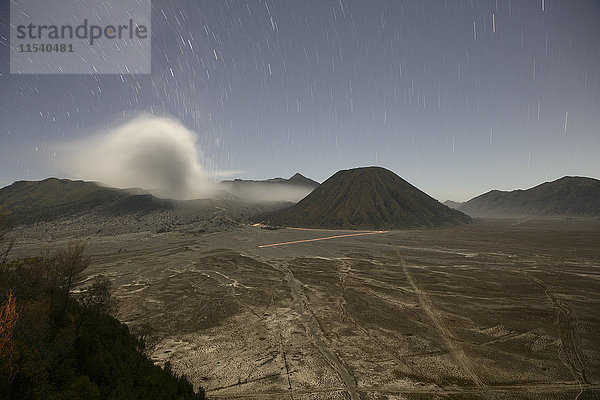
(453, 348)
(567, 324)
(300, 304)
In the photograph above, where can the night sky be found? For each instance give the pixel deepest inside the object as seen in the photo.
(457, 97)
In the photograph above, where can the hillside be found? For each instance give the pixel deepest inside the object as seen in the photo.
(67, 207)
(367, 198)
(32, 201)
(52, 198)
(571, 196)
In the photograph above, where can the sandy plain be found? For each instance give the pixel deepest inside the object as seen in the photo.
(499, 309)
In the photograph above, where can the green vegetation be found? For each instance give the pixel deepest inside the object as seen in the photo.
(367, 198)
(58, 343)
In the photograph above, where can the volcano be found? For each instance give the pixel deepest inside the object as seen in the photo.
(367, 198)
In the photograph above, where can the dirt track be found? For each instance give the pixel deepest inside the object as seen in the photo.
(302, 307)
(451, 345)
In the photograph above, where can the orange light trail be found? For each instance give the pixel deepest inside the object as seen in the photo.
(323, 238)
(325, 230)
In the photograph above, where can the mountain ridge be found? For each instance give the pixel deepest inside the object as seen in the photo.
(53, 198)
(569, 195)
(297, 179)
(275, 189)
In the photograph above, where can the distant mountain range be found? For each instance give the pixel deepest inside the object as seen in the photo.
(296, 179)
(452, 204)
(362, 198)
(568, 196)
(367, 198)
(276, 189)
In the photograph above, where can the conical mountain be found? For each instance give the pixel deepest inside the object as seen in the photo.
(367, 198)
(299, 179)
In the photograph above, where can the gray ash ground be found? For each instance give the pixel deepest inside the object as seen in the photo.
(498, 309)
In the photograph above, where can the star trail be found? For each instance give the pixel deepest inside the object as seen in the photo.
(457, 97)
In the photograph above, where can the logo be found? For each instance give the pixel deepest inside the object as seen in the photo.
(80, 37)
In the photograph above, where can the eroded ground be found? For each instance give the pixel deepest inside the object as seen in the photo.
(493, 310)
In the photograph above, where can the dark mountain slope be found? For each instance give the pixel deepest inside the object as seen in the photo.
(51, 199)
(32, 201)
(367, 198)
(565, 196)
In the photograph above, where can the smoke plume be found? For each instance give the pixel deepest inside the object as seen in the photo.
(154, 153)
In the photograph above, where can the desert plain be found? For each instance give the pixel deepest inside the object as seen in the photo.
(497, 309)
